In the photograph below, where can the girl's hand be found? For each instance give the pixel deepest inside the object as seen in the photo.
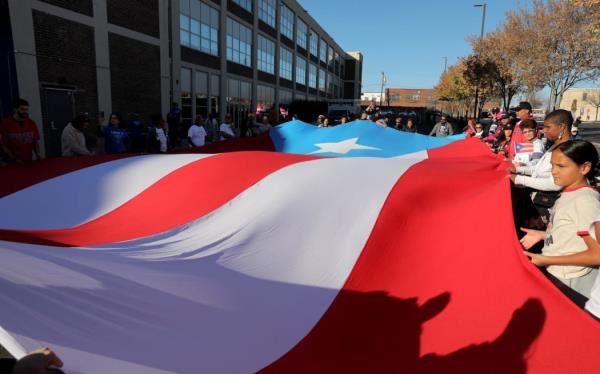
(531, 238)
(536, 259)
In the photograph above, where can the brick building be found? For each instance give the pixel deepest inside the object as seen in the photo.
(418, 99)
(210, 56)
(414, 98)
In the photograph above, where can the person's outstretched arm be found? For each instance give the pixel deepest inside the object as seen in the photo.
(589, 257)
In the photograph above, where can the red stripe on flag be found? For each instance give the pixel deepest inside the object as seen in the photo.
(180, 197)
(18, 177)
(437, 291)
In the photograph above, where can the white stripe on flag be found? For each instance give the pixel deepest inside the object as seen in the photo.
(86, 194)
(230, 292)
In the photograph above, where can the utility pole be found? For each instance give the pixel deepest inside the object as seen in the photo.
(387, 97)
(382, 83)
(445, 63)
(484, 6)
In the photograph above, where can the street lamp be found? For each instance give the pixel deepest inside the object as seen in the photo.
(484, 7)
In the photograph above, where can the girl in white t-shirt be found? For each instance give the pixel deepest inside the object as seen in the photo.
(565, 253)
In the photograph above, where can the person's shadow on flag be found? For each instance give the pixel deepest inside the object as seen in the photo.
(375, 333)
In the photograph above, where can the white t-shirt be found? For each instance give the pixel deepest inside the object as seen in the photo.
(593, 304)
(226, 128)
(538, 176)
(162, 138)
(197, 134)
(574, 211)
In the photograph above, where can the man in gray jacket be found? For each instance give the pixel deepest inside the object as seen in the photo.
(442, 128)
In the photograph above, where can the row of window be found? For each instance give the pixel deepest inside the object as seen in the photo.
(203, 94)
(199, 29)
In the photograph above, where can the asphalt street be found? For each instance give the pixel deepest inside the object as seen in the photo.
(590, 131)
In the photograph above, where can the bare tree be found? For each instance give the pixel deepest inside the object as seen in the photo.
(557, 46)
(480, 74)
(593, 98)
(453, 88)
(592, 8)
(498, 48)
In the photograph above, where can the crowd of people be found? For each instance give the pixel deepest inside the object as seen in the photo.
(555, 201)
(19, 134)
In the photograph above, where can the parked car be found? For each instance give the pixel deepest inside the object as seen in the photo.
(538, 114)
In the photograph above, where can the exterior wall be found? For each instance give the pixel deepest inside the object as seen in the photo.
(65, 44)
(583, 107)
(134, 88)
(124, 56)
(66, 58)
(202, 63)
(80, 6)
(137, 15)
(9, 89)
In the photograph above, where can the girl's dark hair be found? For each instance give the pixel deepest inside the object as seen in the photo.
(581, 151)
(529, 124)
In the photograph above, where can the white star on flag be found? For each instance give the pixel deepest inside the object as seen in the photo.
(342, 147)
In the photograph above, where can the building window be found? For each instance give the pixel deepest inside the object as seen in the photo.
(314, 43)
(329, 84)
(266, 55)
(584, 96)
(239, 98)
(312, 76)
(199, 27)
(413, 97)
(239, 43)
(266, 12)
(301, 33)
(246, 4)
(285, 97)
(300, 70)
(285, 63)
(201, 93)
(322, 80)
(323, 51)
(215, 89)
(185, 81)
(430, 98)
(265, 97)
(336, 60)
(395, 97)
(330, 56)
(286, 24)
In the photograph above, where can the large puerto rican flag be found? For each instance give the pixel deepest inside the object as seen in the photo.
(283, 262)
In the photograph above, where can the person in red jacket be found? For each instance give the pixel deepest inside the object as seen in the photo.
(19, 134)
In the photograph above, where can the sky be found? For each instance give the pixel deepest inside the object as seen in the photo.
(406, 39)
